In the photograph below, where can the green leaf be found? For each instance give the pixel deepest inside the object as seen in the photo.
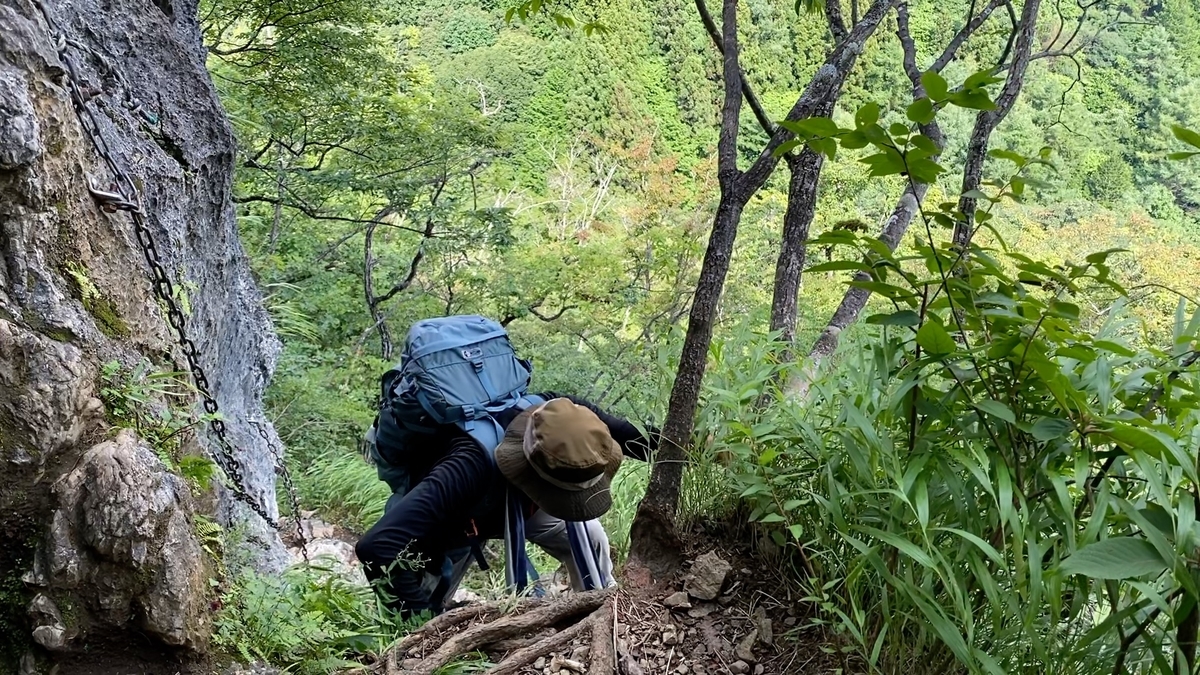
(1186, 135)
(973, 100)
(1101, 257)
(1014, 157)
(905, 317)
(786, 147)
(1050, 428)
(921, 111)
(867, 115)
(925, 170)
(855, 140)
(904, 545)
(1115, 558)
(935, 85)
(897, 129)
(934, 339)
(886, 163)
(820, 127)
(1182, 155)
(825, 146)
(925, 143)
(772, 518)
(996, 409)
(1135, 437)
(1065, 310)
(796, 531)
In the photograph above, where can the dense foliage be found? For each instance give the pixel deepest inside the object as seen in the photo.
(999, 471)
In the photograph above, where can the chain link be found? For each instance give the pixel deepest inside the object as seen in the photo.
(116, 197)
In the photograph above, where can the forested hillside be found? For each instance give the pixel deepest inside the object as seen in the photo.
(535, 172)
(560, 172)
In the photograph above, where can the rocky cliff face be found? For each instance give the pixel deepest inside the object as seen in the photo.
(98, 534)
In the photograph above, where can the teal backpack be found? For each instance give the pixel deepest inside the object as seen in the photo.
(459, 370)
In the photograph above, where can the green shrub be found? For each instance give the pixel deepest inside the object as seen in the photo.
(991, 481)
(309, 620)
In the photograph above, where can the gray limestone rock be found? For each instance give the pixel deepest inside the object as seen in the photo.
(74, 295)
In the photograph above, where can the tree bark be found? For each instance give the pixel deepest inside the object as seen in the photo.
(797, 219)
(987, 121)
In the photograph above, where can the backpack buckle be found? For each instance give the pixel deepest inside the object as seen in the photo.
(470, 354)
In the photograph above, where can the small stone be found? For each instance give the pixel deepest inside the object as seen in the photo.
(410, 664)
(540, 664)
(579, 653)
(707, 577)
(701, 611)
(699, 669)
(670, 637)
(763, 623)
(682, 669)
(759, 669)
(790, 621)
(745, 648)
(739, 667)
(571, 665)
(677, 601)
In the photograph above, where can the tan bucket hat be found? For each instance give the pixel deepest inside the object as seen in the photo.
(563, 458)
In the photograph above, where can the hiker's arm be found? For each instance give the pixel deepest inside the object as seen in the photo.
(423, 520)
(633, 443)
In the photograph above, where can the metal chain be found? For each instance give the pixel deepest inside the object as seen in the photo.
(282, 469)
(116, 197)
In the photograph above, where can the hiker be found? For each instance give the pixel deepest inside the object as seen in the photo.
(554, 460)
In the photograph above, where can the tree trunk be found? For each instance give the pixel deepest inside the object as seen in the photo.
(654, 542)
(987, 121)
(801, 207)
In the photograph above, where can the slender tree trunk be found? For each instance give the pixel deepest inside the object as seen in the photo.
(801, 208)
(277, 221)
(987, 121)
(379, 321)
(654, 542)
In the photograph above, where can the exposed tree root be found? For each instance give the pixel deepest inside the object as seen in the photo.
(456, 617)
(523, 657)
(504, 631)
(602, 655)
